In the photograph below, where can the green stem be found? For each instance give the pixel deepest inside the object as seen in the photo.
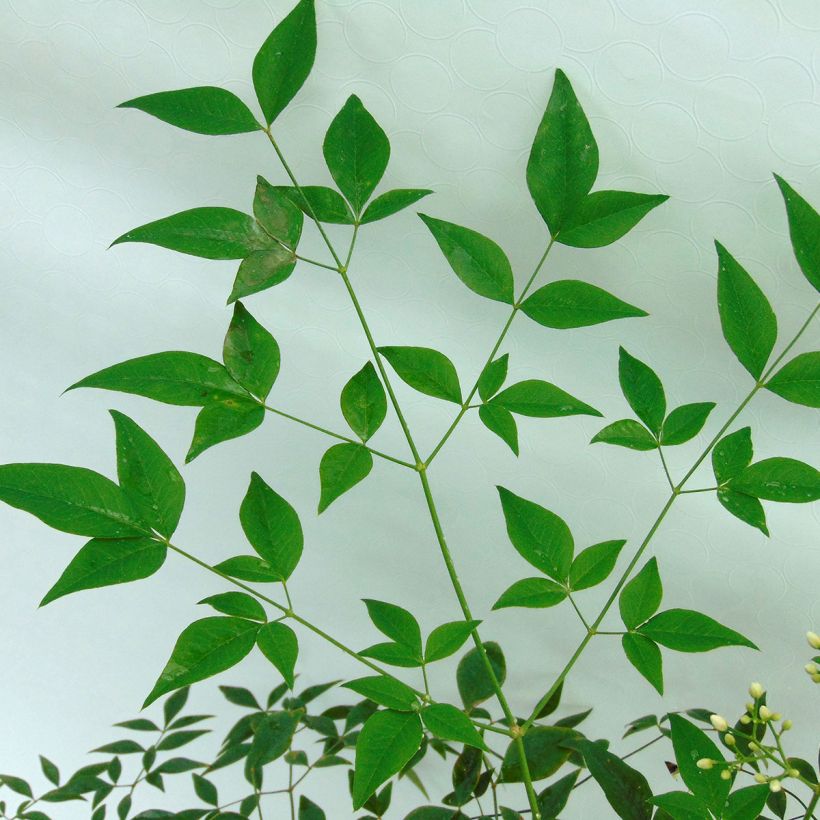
(812, 805)
(578, 612)
(314, 262)
(666, 468)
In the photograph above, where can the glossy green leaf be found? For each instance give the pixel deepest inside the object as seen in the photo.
(16, 784)
(643, 390)
(148, 476)
(799, 380)
(277, 214)
(645, 656)
(687, 631)
(690, 745)
(493, 377)
(603, 217)
(682, 806)
(541, 399)
(272, 737)
(50, 770)
(641, 597)
(563, 162)
(731, 454)
(395, 622)
(342, 467)
(272, 527)
(356, 151)
(308, 810)
(385, 691)
(363, 402)
(745, 507)
(395, 654)
(106, 561)
(594, 564)
(248, 568)
(279, 644)
(235, 603)
(392, 202)
(283, 63)
(748, 322)
(570, 303)
(386, 743)
(449, 723)
(204, 110)
(553, 799)
(685, 422)
(425, 370)
(320, 202)
(544, 752)
(535, 593)
(71, 499)
(250, 353)
(205, 648)
(626, 433)
(541, 537)
(475, 259)
(746, 803)
(205, 790)
(221, 421)
(804, 229)
(448, 638)
(500, 421)
(261, 270)
(474, 682)
(175, 377)
(779, 479)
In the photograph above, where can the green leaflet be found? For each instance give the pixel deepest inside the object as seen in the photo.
(386, 743)
(204, 110)
(277, 214)
(685, 422)
(541, 399)
(205, 648)
(279, 644)
(643, 390)
(535, 593)
(603, 217)
(748, 322)
(500, 421)
(593, 565)
(449, 723)
(342, 467)
(205, 790)
(476, 259)
(544, 750)
(553, 799)
(626, 433)
(747, 803)
(563, 162)
(356, 151)
(641, 597)
(236, 603)
(395, 622)
(541, 537)
(248, 568)
(71, 499)
(272, 527)
(395, 654)
(285, 59)
(448, 638)
(804, 229)
(779, 479)
(799, 380)
(425, 370)
(272, 737)
(385, 691)
(687, 631)
(493, 377)
(363, 402)
(308, 810)
(106, 561)
(745, 507)
(472, 678)
(321, 203)
(570, 303)
(148, 476)
(731, 454)
(682, 806)
(645, 656)
(392, 202)
(250, 353)
(261, 270)
(221, 421)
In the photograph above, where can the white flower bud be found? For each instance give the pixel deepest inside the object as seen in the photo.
(765, 713)
(729, 740)
(816, 678)
(774, 785)
(745, 720)
(753, 746)
(719, 722)
(776, 716)
(811, 668)
(814, 640)
(792, 773)
(761, 778)
(750, 706)
(705, 763)
(787, 724)
(756, 690)
(725, 774)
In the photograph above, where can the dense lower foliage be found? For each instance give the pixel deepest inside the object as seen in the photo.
(380, 726)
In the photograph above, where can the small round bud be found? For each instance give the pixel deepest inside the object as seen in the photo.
(811, 668)
(774, 786)
(787, 724)
(729, 740)
(719, 723)
(814, 640)
(745, 720)
(725, 775)
(756, 690)
(761, 778)
(816, 678)
(753, 746)
(750, 707)
(777, 716)
(765, 713)
(705, 763)
(792, 773)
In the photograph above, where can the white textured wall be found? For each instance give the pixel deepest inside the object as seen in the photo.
(697, 99)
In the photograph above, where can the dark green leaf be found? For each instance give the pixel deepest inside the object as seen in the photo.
(448, 638)
(272, 527)
(395, 622)
(249, 568)
(799, 380)
(204, 110)
(571, 303)
(476, 259)
(392, 202)
(553, 799)
(16, 784)
(240, 696)
(178, 739)
(500, 421)
(563, 162)
(425, 370)
(250, 353)
(492, 377)
(536, 593)
(779, 479)
(541, 399)
(385, 691)
(731, 454)
(356, 151)
(236, 603)
(603, 217)
(261, 270)
(363, 402)
(641, 597)
(748, 322)
(120, 747)
(472, 677)
(552, 703)
(682, 806)
(178, 765)
(205, 648)
(804, 229)
(775, 801)
(342, 467)
(205, 790)
(687, 631)
(449, 723)
(175, 703)
(645, 656)
(543, 750)
(643, 390)
(50, 770)
(395, 654)
(692, 744)
(541, 537)
(283, 63)
(321, 203)
(745, 507)
(387, 741)
(279, 644)
(106, 561)
(221, 421)
(747, 803)
(277, 214)
(626, 433)
(804, 767)
(685, 422)
(308, 810)
(594, 564)
(272, 738)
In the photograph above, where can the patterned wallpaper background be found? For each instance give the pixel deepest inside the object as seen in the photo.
(699, 99)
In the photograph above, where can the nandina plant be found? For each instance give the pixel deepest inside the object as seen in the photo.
(382, 724)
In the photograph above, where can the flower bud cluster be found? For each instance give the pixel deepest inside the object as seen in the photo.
(813, 668)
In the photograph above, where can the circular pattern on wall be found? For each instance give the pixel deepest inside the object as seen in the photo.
(793, 133)
(628, 72)
(529, 39)
(665, 132)
(729, 108)
(375, 32)
(452, 142)
(694, 46)
(476, 60)
(421, 83)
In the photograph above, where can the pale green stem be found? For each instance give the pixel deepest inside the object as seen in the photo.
(666, 468)
(314, 262)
